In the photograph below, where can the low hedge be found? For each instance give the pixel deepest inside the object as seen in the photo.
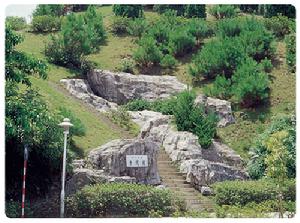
(122, 199)
(243, 192)
(45, 23)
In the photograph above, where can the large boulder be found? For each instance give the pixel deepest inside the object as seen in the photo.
(123, 87)
(81, 90)
(111, 158)
(221, 107)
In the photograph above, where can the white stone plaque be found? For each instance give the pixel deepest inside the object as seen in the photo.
(136, 160)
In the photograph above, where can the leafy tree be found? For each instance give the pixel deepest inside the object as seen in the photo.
(15, 22)
(45, 23)
(276, 163)
(256, 166)
(130, 11)
(223, 11)
(290, 41)
(80, 35)
(274, 10)
(49, 10)
(138, 27)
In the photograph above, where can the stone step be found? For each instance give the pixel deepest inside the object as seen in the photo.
(165, 161)
(172, 177)
(170, 172)
(182, 189)
(178, 185)
(176, 181)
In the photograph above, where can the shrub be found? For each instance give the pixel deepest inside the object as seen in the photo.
(121, 117)
(15, 22)
(258, 44)
(250, 85)
(279, 25)
(181, 42)
(148, 53)
(80, 35)
(168, 61)
(45, 23)
(274, 10)
(131, 200)
(130, 11)
(223, 11)
(243, 192)
(266, 65)
(189, 117)
(138, 105)
(221, 88)
(126, 65)
(119, 25)
(256, 166)
(291, 52)
(217, 57)
(49, 10)
(199, 29)
(137, 27)
(195, 11)
(13, 209)
(179, 9)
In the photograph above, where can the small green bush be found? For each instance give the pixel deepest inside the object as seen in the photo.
(148, 53)
(250, 85)
(119, 25)
(15, 22)
(126, 65)
(223, 11)
(168, 61)
(45, 23)
(13, 209)
(121, 199)
(221, 88)
(197, 11)
(279, 25)
(266, 65)
(178, 9)
(137, 27)
(130, 11)
(199, 29)
(217, 57)
(181, 42)
(189, 117)
(291, 52)
(256, 166)
(165, 106)
(243, 192)
(138, 105)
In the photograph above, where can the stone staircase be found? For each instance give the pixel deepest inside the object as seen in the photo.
(176, 182)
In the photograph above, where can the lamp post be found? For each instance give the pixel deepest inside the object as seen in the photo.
(66, 124)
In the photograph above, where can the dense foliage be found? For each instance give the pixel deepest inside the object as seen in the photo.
(274, 10)
(223, 11)
(121, 199)
(80, 35)
(280, 25)
(28, 121)
(291, 52)
(130, 11)
(45, 23)
(119, 24)
(188, 11)
(49, 10)
(259, 152)
(243, 192)
(170, 36)
(15, 22)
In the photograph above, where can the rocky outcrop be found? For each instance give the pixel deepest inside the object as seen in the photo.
(221, 107)
(201, 166)
(108, 164)
(123, 87)
(81, 90)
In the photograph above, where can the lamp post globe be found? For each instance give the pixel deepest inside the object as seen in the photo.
(66, 124)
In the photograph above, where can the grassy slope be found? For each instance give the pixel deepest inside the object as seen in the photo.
(249, 123)
(99, 129)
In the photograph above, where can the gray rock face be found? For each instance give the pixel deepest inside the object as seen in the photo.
(111, 158)
(201, 166)
(221, 107)
(81, 90)
(123, 87)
